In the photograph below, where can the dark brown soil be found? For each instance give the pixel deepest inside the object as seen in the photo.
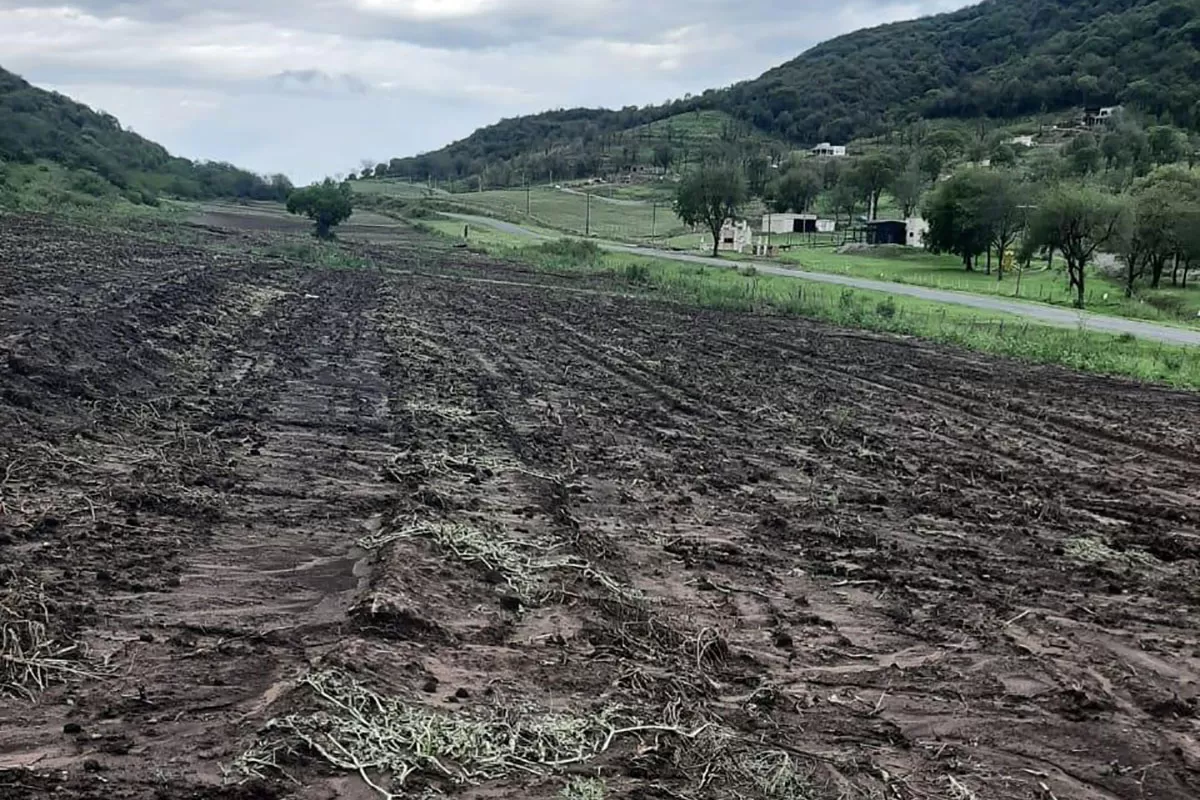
(920, 572)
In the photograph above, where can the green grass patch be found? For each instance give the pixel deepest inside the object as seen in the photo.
(329, 255)
(990, 332)
(1041, 283)
(81, 195)
(564, 211)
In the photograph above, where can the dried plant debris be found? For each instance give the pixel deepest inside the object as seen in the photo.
(388, 740)
(32, 657)
(525, 568)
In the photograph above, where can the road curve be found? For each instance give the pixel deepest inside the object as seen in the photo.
(1043, 314)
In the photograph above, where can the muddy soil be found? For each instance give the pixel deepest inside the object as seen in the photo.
(910, 571)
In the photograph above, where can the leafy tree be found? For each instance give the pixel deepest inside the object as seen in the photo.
(664, 156)
(1167, 145)
(1083, 154)
(845, 197)
(949, 141)
(1126, 146)
(796, 189)
(1003, 155)
(327, 204)
(1166, 203)
(1077, 221)
(1001, 213)
(908, 186)
(710, 196)
(955, 215)
(932, 161)
(758, 173)
(872, 174)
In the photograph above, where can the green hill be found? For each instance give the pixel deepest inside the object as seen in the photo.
(998, 59)
(92, 155)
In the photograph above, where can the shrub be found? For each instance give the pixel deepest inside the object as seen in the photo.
(579, 251)
(636, 273)
(90, 183)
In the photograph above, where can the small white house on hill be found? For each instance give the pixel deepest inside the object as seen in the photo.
(827, 150)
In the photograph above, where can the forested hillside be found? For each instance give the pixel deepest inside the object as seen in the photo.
(1001, 58)
(37, 125)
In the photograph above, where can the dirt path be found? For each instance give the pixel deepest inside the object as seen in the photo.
(831, 564)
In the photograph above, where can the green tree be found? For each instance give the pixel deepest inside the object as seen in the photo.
(1003, 155)
(1001, 213)
(872, 174)
(955, 215)
(710, 196)
(1077, 221)
(796, 189)
(758, 173)
(1166, 200)
(327, 204)
(932, 161)
(1083, 154)
(908, 186)
(664, 156)
(1167, 145)
(845, 196)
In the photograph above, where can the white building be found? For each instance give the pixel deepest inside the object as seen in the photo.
(827, 150)
(789, 223)
(735, 236)
(795, 223)
(915, 229)
(1021, 141)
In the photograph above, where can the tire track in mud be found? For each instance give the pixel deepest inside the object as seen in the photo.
(803, 606)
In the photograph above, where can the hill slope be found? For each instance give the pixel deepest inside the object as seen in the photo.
(1000, 58)
(37, 125)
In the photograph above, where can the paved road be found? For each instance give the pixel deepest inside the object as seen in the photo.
(1044, 314)
(616, 201)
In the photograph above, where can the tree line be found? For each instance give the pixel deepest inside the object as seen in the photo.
(1126, 190)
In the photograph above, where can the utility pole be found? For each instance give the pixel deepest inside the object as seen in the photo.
(527, 198)
(654, 220)
(587, 225)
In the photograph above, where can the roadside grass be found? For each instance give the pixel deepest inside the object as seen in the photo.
(1039, 284)
(996, 333)
(478, 235)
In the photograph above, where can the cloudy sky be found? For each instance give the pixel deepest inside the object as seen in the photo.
(311, 87)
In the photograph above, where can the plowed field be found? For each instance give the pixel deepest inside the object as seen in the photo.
(456, 527)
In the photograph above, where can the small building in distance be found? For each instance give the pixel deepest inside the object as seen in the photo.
(905, 232)
(789, 223)
(915, 229)
(1021, 141)
(735, 236)
(1096, 116)
(827, 150)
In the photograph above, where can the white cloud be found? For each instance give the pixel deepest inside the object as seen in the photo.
(311, 86)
